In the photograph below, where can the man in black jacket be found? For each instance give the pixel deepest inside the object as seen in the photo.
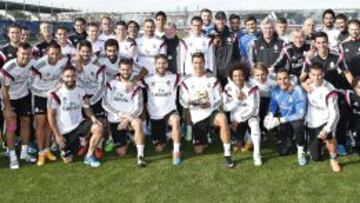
(226, 47)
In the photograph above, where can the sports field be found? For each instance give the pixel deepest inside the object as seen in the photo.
(199, 179)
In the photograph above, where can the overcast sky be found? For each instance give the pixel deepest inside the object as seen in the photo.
(155, 5)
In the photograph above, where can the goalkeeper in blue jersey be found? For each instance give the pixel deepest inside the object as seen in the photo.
(286, 113)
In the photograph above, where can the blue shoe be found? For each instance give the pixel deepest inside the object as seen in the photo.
(302, 159)
(32, 149)
(176, 159)
(341, 150)
(92, 161)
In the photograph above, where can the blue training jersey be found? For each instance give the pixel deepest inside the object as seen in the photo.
(290, 106)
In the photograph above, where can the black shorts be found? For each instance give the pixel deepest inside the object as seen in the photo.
(202, 128)
(145, 95)
(22, 106)
(40, 105)
(158, 128)
(73, 138)
(316, 145)
(240, 130)
(98, 110)
(120, 137)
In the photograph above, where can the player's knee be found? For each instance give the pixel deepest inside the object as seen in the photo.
(121, 151)
(40, 121)
(137, 124)
(199, 149)
(221, 119)
(24, 121)
(67, 160)
(11, 126)
(96, 129)
(175, 121)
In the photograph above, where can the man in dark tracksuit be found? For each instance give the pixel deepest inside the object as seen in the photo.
(226, 47)
(267, 47)
(293, 55)
(350, 48)
(80, 32)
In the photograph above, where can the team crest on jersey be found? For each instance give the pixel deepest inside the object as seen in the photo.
(92, 73)
(276, 48)
(262, 47)
(204, 44)
(154, 46)
(64, 98)
(332, 65)
(10, 55)
(168, 82)
(190, 44)
(209, 85)
(347, 50)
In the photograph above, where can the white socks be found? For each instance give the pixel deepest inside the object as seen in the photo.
(176, 148)
(255, 138)
(24, 151)
(140, 150)
(12, 154)
(227, 149)
(300, 150)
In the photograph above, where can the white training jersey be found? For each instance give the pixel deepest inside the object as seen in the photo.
(98, 47)
(68, 50)
(148, 48)
(191, 45)
(333, 35)
(192, 88)
(161, 91)
(119, 100)
(44, 76)
(92, 79)
(103, 37)
(241, 110)
(68, 104)
(128, 48)
(112, 69)
(17, 78)
(322, 107)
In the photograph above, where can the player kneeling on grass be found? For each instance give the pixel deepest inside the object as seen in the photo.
(161, 89)
(201, 94)
(65, 106)
(287, 112)
(124, 104)
(242, 101)
(322, 116)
